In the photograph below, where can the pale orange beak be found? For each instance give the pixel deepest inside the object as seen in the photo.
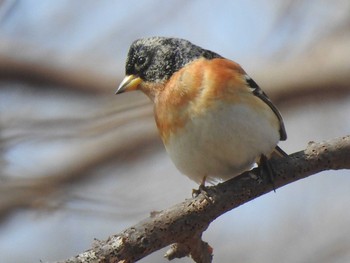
(129, 83)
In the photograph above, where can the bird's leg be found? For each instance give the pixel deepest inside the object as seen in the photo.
(264, 164)
(201, 189)
(202, 185)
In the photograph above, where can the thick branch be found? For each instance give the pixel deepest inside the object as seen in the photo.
(186, 221)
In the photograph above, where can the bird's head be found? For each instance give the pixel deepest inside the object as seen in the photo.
(153, 60)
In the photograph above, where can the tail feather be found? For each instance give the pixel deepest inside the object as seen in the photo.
(278, 153)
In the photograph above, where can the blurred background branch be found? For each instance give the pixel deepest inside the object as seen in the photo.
(77, 161)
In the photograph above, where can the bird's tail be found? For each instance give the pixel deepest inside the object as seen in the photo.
(278, 153)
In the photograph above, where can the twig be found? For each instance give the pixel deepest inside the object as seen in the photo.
(184, 223)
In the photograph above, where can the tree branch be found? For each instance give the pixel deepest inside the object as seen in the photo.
(184, 223)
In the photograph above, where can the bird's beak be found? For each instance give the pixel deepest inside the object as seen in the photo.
(129, 83)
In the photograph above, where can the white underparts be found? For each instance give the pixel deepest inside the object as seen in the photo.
(224, 142)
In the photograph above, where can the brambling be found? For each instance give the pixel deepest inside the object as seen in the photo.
(214, 120)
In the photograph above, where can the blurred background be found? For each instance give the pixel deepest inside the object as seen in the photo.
(79, 163)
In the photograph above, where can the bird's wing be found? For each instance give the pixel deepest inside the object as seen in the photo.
(257, 91)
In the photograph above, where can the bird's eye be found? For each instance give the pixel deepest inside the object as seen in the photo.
(140, 61)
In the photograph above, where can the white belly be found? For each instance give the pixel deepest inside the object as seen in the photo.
(223, 143)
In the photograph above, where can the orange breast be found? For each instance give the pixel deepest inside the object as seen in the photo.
(195, 89)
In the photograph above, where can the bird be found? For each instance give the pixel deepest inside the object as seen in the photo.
(214, 120)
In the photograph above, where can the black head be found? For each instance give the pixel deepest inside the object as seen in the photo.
(155, 59)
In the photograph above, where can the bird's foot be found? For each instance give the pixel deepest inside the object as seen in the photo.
(202, 189)
(265, 165)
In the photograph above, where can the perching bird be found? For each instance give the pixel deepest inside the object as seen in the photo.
(214, 120)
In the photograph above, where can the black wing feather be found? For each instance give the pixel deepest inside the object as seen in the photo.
(257, 91)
